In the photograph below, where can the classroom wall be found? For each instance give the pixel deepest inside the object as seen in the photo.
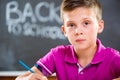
(30, 28)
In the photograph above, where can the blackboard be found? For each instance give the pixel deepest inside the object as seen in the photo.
(30, 28)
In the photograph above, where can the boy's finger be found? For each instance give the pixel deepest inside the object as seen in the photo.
(44, 78)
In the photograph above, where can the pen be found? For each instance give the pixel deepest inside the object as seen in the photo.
(25, 66)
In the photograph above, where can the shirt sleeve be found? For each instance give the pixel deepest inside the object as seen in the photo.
(46, 64)
(116, 65)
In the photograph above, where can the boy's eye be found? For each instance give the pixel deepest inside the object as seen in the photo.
(86, 23)
(71, 25)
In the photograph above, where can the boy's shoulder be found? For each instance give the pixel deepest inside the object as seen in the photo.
(112, 51)
(62, 49)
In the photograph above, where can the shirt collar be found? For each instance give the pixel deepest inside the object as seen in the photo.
(70, 55)
(99, 55)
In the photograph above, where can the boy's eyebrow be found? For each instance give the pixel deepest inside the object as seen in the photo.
(87, 18)
(70, 21)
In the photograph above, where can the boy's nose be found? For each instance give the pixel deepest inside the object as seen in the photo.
(79, 31)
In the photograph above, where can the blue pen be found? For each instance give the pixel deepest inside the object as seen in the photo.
(25, 66)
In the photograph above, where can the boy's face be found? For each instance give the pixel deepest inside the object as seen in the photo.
(81, 27)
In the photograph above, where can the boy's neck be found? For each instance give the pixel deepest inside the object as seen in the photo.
(86, 56)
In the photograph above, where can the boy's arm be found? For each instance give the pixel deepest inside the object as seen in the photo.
(32, 76)
(116, 66)
(117, 79)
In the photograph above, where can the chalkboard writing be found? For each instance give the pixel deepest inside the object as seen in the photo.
(30, 28)
(18, 24)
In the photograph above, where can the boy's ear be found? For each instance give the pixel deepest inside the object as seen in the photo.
(101, 26)
(63, 30)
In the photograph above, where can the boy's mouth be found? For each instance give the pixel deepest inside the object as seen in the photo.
(80, 40)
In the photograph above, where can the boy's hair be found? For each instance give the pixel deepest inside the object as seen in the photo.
(69, 5)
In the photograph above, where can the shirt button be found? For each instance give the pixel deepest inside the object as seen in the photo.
(81, 72)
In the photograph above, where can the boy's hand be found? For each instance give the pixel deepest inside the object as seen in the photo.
(36, 77)
(32, 77)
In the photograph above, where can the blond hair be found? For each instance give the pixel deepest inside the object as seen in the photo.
(69, 5)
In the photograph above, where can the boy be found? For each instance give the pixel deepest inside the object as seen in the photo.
(86, 58)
